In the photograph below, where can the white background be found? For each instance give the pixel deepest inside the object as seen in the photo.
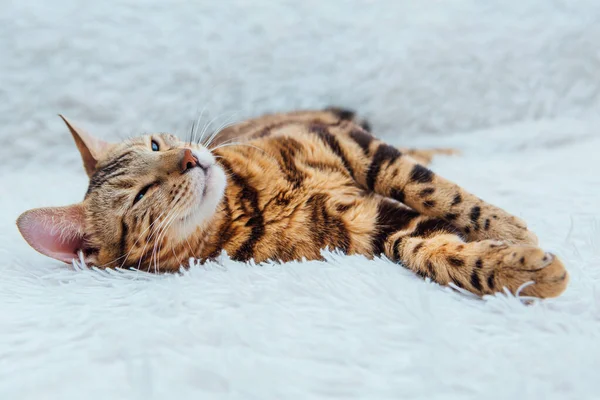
(515, 85)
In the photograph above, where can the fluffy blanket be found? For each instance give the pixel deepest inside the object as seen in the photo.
(514, 85)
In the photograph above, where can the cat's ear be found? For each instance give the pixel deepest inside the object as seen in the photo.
(92, 149)
(56, 232)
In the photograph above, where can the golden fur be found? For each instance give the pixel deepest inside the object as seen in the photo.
(285, 186)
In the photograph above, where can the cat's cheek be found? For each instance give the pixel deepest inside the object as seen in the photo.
(105, 257)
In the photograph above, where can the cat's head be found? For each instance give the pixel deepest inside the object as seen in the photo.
(153, 189)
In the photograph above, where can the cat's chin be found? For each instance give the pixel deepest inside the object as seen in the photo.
(208, 190)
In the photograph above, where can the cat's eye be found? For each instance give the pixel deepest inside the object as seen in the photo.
(155, 146)
(141, 194)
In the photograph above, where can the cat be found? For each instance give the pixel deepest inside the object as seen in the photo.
(283, 187)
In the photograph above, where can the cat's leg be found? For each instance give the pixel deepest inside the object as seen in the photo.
(431, 247)
(387, 171)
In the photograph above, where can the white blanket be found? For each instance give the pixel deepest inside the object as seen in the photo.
(514, 85)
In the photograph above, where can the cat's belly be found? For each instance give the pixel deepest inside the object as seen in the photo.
(280, 219)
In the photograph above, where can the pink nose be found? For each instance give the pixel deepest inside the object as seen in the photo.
(188, 161)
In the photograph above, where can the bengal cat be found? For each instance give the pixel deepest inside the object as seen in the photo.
(283, 187)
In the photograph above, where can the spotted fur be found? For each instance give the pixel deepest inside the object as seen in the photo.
(284, 186)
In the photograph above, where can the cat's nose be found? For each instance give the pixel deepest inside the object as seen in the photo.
(189, 161)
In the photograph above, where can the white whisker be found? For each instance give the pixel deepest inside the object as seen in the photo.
(190, 247)
(198, 120)
(136, 242)
(241, 144)
(174, 214)
(125, 256)
(213, 135)
(160, 239)
(221, 129)
(207, 126)
(153, 234)
(227, 124)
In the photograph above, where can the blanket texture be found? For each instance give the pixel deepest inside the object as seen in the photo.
(514, 85)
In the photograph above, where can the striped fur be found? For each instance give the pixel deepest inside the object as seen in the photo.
(300, 182)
